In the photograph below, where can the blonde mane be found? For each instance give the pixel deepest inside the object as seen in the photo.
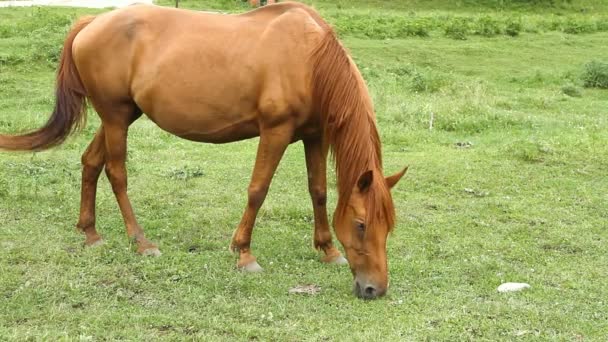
(349, 124)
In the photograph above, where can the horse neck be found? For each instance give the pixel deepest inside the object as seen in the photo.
(356, 149)
(349, 123)
(354, 138)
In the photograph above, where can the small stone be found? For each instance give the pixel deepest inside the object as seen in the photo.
(464, 144)
(512, 287)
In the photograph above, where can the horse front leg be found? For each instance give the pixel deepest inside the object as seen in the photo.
(316, 164)
(273, 143)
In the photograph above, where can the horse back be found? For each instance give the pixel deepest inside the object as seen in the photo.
(197, 73)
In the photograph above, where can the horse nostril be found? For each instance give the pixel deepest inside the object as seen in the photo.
(370, 291)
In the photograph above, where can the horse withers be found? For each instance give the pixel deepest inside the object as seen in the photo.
(203, 77)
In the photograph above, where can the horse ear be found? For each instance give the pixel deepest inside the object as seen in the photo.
(365, 181)
(392, 180)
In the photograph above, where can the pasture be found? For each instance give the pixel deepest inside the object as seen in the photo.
(489, 104)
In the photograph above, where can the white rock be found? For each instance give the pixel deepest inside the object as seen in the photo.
(512, 287)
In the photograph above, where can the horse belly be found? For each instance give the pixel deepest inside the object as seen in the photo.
(205, 127)
(230, 133)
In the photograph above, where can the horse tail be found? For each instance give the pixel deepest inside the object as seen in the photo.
(69, 113)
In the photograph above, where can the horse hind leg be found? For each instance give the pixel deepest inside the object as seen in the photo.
(92, 164)
(116, 120)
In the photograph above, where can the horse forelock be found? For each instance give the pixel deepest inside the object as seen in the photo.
(343, 101)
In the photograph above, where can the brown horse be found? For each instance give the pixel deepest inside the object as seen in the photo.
(199, 77)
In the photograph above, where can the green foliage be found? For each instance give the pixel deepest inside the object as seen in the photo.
(487, 26)
(11, 59)
(513, 27)
(572, 90)
(427, 81)
(381, 27)
(531, 152)
(596, 75)
(45, 30)
(457, 29)
(577, 26)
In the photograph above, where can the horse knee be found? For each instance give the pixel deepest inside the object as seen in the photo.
(318, 195)
(117, 177)
(91, 168)
(256, 196)
(92, 159)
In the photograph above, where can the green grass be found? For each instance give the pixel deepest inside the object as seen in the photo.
(506, 128)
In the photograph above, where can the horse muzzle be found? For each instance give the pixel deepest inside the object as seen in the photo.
(368, 290)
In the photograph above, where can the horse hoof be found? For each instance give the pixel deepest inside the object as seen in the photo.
(339, 260)
(252, 267)
(155, 252)
(96, 243)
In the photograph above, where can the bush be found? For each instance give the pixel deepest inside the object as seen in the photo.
(513, 27)
(457, 29)
(571, 90)
(486, 26)
(11, 59)
(427, 81)
(576, 26)
(415, 28)
(595, 75)
(382, 27)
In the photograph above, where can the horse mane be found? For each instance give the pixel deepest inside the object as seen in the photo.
(349, 124)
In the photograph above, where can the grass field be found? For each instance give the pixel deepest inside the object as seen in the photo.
(509, 184)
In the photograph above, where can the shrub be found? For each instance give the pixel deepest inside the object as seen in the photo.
(11, 59)
(382, 27)
(415, 28)
(601, 24)
(48, 51)
(571, 90)
(426, 82)
(576, 26)
(513, 27)
(486, 26)
(457, 29)
(531, 152)
(596, 75)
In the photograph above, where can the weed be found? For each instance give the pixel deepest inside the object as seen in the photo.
(513, 27)
(11, 59)
(185, 173)
(419, 28)
(532, 152)
(595, 75)
(457, 28)
(427, 81)
(572, 90)
(577, 26)
(486, 26)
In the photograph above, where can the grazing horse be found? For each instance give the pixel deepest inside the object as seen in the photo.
(196, 75)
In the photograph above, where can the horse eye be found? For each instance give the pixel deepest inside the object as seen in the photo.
(360, 227)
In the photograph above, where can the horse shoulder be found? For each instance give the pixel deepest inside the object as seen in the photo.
(285, 46)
